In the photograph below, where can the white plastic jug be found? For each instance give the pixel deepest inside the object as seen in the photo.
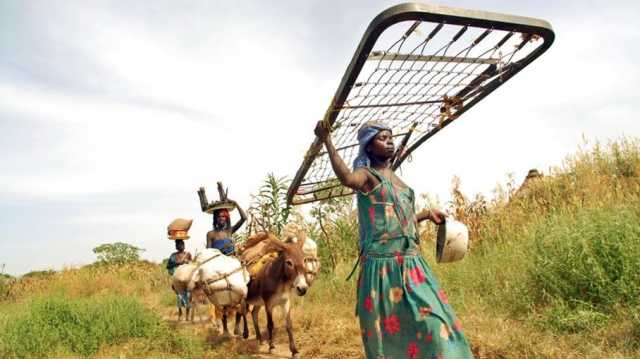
(452, 241)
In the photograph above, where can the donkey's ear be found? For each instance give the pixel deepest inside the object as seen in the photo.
(302, 237)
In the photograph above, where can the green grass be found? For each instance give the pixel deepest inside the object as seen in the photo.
(591, 258)
(559, 259)
(48, 326)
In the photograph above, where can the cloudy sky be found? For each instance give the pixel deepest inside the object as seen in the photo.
(112, 114)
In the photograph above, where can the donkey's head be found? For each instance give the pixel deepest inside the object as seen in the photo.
(293, 264)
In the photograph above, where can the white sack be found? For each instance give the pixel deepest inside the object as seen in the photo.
(222, 291)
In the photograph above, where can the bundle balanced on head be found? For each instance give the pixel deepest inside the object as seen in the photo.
(221, 237)
(401, 308)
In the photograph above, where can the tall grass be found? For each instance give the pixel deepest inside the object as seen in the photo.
(82, 326)
(561, 254)
(592, 257)
(135, 279)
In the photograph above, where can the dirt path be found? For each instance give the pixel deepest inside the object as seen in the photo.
(262, 351)
(229, 344)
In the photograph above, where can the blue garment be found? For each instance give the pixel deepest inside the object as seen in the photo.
(366, 133)
(183, 300)
(224, 245)
(172, 264)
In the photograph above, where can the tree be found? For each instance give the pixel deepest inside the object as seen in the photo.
(269, 210)
(117, 253)
(6, 281)
(339, 226)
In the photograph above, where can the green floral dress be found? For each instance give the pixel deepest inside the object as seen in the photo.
(403, 312)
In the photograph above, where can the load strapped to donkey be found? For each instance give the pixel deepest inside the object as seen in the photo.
(223, 278)
(256, 252)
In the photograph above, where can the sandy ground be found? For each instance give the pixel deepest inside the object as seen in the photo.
(203, 325)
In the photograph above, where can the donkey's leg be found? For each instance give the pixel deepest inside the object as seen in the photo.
(270, 327)
(236, 325)
(194, 310)
(213, 316)
(245, 328)
(189, 315)
(292, 343)
(225, 329)
(254, 315)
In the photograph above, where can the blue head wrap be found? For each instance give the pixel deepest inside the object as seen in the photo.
(366, 133)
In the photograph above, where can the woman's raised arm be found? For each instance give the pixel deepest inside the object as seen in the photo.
(355, 180)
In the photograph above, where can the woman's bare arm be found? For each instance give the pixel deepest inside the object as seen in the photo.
(435, 215)
(243, 218)
(356, 180)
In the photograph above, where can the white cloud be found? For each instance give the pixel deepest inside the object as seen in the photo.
(179, 99)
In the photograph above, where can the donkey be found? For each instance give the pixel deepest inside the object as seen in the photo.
(273, 284)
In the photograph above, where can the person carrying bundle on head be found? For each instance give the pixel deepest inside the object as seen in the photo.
(177, 232)
(221, 237)
(178, 258)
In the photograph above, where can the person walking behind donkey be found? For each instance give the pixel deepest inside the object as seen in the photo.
(403, 312)
(177, 259)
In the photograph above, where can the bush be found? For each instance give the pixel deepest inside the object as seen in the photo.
(635, 322)
(117, 253)
(39, 274)
(58, 324)
(5, 283)
(572, 318)
(270, 210)
(591, 258)
(138, 279)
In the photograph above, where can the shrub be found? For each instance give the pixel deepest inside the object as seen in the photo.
(270, 210)
(590, 258)
(571, 318)
(59, 324)
(5, 283)
(39, 274)
(117, 253)
(635, 322)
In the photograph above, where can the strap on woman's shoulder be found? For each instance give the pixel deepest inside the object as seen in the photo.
(376, 174)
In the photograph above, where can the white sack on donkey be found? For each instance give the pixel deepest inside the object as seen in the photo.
(182, 276)
(224, 278)
(180, 283)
